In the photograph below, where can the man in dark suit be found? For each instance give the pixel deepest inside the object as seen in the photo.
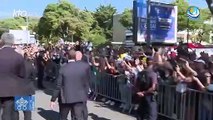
(40, 67)
(72, 89)
(12, 80)
(30, 76)
(1, 43)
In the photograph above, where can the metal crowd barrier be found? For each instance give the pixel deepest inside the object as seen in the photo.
(112, 87)
(189, 105)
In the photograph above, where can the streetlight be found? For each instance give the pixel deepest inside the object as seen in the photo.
(187, 30)
(27, 20)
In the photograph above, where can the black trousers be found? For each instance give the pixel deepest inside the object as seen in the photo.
(7, 108)
(78, 111)
(40, 79)
(27, 115)
(147, 108)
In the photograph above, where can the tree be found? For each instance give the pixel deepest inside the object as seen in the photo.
(97, 39)
(205, 14)
(104, 17)
(182, 17)
(127, 19)
(64, 21)
(204, 34)
(86, 21)
(33, 24)
(12, 23)
(18, 22)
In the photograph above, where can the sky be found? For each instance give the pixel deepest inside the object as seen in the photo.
(36, 7)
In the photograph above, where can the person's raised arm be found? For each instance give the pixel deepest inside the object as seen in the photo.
(94, 62)
(208, 78)
(128, 66)
(190, 69)
(179, 73)
(107, 63)
(200, 85)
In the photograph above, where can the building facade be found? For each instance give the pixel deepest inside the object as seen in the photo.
(120, 34)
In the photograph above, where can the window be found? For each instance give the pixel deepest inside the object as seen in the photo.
(129, 37)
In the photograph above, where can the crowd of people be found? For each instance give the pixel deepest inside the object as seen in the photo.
(22, 67)
(144, 69)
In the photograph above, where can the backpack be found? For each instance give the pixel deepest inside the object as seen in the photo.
(143, 80)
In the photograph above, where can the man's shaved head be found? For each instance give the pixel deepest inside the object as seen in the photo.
(71, 55)
(78, 55)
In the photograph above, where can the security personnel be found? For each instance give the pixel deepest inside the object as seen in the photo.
(147, 80)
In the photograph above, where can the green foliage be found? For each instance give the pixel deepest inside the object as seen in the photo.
(205, 14)
(204, 34)
(17, 23)
(182, 17)
(64, 20)
(127, 19)
(33, 24)
(97, 39)
(12, 23)
(104, 17)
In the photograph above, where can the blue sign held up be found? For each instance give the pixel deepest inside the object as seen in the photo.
(24, 103)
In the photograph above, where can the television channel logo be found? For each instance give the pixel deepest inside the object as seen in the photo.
(24, 103)
(193, 12)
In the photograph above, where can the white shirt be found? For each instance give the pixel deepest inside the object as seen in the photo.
(71, 61)
(4, 46)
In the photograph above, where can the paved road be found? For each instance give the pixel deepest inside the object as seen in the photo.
(96, 110)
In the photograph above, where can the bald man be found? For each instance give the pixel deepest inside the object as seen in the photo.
(73, 82)
(79, 55)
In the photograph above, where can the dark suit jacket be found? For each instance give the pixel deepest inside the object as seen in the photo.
(30, 76)
(73, 83)
(12, 74)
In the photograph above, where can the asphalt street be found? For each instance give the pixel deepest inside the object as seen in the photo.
(97, 110)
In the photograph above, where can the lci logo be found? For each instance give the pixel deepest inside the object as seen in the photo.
(193, 12)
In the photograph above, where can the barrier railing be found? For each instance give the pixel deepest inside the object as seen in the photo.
(170, 103)
(188, 105)
(113, 88)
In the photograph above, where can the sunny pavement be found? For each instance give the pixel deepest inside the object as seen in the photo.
(96, 110)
